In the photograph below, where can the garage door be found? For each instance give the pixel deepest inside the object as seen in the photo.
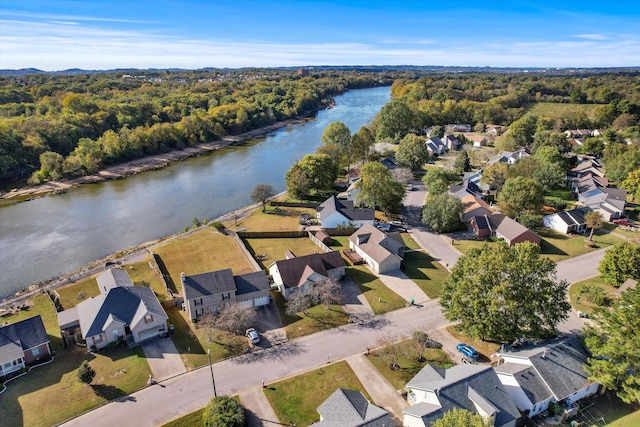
(149, 333)
(248, 303)
(261, 301)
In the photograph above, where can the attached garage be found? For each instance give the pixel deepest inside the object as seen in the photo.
(148, 334)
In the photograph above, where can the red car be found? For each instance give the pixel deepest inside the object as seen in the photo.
(624, 221)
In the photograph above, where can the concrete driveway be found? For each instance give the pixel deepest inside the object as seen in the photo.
(164, 360)
(354, 302)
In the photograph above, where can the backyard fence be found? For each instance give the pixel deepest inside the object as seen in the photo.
(295, 204)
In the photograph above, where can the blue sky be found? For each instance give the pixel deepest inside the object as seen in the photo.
(100, 34)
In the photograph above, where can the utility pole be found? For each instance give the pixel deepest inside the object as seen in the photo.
(211, 368)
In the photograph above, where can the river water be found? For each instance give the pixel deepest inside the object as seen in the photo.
(53, 235)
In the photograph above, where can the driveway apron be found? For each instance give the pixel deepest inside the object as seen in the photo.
(399, 283)
(258, 409)
(164, 360)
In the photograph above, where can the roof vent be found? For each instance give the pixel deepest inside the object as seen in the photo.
(544, 354)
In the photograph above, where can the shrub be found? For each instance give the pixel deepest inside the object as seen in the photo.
(223, 411)
(86, 373)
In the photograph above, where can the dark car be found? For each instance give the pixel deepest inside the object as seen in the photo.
(467, 350)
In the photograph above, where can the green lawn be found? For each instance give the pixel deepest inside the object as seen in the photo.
(409, 362)
(380, 297)
(609, 410)
(316, 319)
(73, 294)
(581, 303)
(485, 348)
(295, 400)
(426, 272)
(273, 250)
(192, 419)
(630, 232)
(52, 393)
(286, 219)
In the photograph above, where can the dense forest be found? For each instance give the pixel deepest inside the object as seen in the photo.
(55, 125)
(52, 125)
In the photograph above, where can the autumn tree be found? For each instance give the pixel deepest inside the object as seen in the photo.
(520, 195)
(412, 152)
(522, 130)
(593, 220)
(297, 181)
(443, 212)
(362, 143)
(632, 184)
(261, 193)
(339, 135)
(378, 188)
(501, 293)
(458, 417)
(613, 339)
(462, 163)
(326, 292)
(620, 262)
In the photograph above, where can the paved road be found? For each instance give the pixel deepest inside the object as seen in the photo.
(180, 395)
(580, 268)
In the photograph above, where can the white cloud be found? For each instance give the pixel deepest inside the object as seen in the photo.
(592, 36)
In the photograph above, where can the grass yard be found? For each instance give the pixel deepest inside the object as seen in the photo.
(201, 251)
(409, 363)
(558, 246)
(630, 232)
(273, 249)
(295, 400)
(427, 273)
(581, 303)
(611, 411)
(380, 297)
(282, 219)
(192, 419)
(73, 294)
(485, 348)
(52, 393)
(318, 318)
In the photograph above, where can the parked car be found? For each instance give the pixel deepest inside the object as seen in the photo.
(409, 187)
(253, 336)
(468, 351)
(383, 226)
(624, 221)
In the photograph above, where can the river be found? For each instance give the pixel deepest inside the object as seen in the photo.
(53, 235)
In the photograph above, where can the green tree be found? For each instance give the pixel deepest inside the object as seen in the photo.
(298, 185)
(378, 188)
(412, 152)
(462, 163)
(314, 173)
(487, 286)
(437, 180)
(261, 193)
(620, 262)
(613, 339)
(525, 167)
(551, 176)
(632, 184)
(394, 120)
(621, 159)
(549, 154)
(458, 417)
(338, 134)
(523, 129)
(443, 212)
(85, 373)
(593, 147)
(520, 195)
(223, 411)
(362, 142)
(593, 220)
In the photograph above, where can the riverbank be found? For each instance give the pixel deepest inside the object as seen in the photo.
(133, 167)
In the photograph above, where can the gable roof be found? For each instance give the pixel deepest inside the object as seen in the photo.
(20, 336)
(349, 408)
(559, 364)
(389, 162)
(509, 228)
(573, 216)
(293, 270)
(377, 244)
(126, 305)
(345, 208)
(212, 282)
(462, 386)
(474, 206)
(113, 278)
(251, 282)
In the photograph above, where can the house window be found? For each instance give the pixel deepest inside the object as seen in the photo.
(197, 302)
(35, 351)
(99, 339)
(148, 318)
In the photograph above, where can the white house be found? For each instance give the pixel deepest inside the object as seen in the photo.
(351, 192)
(552, 372)
(435, 391)
(383, 252)
(567, 221)
(334, 213)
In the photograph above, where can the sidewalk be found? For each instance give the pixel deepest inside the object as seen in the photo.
(381, 391)
(258, 409)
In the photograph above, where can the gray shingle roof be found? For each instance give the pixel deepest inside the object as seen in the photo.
(529, 379)
(252, 282)
(213, 282)
(113, 278)
(22, 335)
(349, 408)
(466, 387)
(346, 208)
(291, 270)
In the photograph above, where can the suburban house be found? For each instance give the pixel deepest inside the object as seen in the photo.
(452, 142)
(475, 388)
(493, 130)
(349, 408)
(334, 213)
(351, 193)
(300, 273)
(23, 343)
(509, 157)
(590, 185)
(547, 373)
(473, 206)
(501, 226)
(208, 292)
(390, 163)
(383, 252)
(436, 146)
(478, 140)
(567, 222)
(471, 184)
(121, 311)
(458, 128)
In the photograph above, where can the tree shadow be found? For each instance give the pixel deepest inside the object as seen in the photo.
(183, 336)
(281, 352)
(109, 392)
(547, 248)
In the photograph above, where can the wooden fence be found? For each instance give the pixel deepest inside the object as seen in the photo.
(295, 204)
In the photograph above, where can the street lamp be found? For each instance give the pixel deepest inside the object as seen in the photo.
(211, 368)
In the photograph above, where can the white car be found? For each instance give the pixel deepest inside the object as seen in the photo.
(409, 187)
(253, 336)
